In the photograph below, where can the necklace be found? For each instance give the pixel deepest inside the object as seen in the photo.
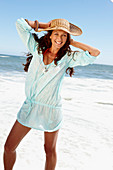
(47, 66)
(46, 69)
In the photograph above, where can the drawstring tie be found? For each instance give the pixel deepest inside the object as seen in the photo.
(30, 102)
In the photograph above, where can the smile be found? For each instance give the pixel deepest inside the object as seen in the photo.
(59, 43)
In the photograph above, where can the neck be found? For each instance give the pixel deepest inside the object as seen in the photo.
(53, 50)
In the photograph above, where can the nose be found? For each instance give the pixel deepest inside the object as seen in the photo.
(59, 38)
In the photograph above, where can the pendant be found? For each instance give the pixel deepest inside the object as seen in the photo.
(46, 69)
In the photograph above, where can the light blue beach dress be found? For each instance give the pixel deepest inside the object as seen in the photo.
(42, 109)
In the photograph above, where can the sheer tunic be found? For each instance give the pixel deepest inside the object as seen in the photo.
(42, 109)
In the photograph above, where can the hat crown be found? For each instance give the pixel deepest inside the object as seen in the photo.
(60, 23)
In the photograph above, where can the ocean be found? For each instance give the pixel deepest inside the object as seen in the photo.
(85, 140)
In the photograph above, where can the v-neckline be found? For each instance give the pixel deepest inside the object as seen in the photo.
(43, 58)
(45, 65)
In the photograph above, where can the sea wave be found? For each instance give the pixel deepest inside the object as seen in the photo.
(11, 63)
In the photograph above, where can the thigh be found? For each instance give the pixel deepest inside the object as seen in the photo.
(50, 139)
(16, 134)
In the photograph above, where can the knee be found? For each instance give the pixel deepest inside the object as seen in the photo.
(49, 150)
(8, 148)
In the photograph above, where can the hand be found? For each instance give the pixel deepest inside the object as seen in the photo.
(44, 25)
(49, 24)
(71, 41)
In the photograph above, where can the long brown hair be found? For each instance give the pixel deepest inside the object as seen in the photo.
(44, 43)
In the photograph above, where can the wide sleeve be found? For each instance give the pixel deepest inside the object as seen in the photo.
(80, 58)
(23, 29)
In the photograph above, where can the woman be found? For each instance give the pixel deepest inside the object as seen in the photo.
(51, 58)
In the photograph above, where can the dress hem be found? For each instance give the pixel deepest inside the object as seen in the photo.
(55, 129)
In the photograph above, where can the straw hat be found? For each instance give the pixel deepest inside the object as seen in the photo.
(63, 24)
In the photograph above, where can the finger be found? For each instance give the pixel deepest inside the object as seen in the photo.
(49, 23)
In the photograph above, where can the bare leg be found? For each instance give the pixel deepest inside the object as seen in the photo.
(50, 149)
(16, 135)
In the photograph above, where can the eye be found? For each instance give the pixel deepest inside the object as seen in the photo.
(64, 35)
(56, 34)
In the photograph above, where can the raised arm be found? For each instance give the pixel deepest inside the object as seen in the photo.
(24, 28)
(92, 51)
(24, 31)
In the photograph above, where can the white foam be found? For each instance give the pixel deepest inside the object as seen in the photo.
(4, 56)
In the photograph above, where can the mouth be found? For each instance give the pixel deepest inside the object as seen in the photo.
(58, 43)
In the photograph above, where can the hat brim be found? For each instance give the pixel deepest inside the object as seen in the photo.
(74, 30)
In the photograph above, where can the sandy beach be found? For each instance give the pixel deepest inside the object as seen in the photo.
(85, 140)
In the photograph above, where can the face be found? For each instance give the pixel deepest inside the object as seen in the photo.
(58, 38)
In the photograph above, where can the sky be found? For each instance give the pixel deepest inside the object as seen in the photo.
(95, 18)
